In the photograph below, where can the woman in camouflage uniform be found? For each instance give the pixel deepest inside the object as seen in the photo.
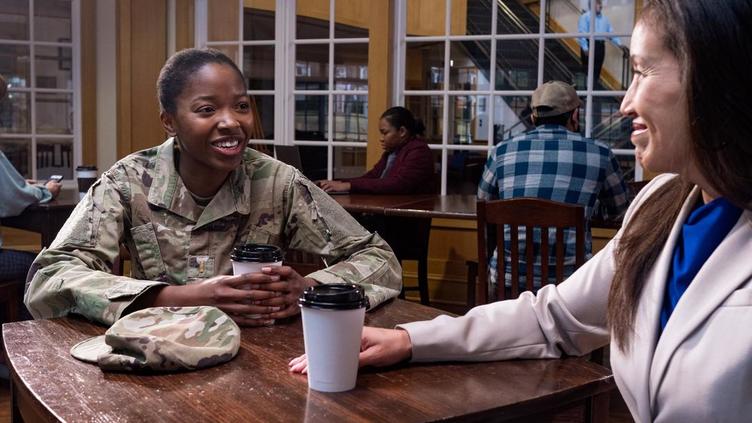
(181, 207)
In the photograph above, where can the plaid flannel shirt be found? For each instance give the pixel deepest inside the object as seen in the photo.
(552, 163)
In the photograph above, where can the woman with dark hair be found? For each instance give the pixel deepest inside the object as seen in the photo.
(406, 167)
(181, 207)
(673, 289)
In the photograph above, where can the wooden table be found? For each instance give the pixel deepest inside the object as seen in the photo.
(48, 384)
(375, 203)
(45, 219)
(453, 206)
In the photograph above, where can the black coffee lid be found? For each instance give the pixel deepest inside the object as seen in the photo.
(260, 253)
(335, 296)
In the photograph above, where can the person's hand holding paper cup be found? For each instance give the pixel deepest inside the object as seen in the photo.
(252, 258)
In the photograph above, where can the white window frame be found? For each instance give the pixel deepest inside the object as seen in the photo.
(284, 92)
(399, 76)
(32, 90)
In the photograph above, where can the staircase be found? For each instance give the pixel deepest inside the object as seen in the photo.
(517, 68)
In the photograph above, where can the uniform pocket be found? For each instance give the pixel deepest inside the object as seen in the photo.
(149, 254)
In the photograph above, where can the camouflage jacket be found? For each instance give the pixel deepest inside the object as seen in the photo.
(141, 202)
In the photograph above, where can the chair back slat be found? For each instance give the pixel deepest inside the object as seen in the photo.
(529, 257)
(544, 254)
(531, 213)
(559, 254)
(482, 294)
(514, 257)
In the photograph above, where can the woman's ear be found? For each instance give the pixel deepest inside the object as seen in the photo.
(403, 133)
(168, 123)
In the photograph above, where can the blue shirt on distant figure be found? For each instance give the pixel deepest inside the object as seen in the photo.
(15, 193)
(601, 25)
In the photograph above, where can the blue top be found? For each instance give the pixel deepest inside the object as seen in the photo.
(701, 234)
(15, 193)
(552, 163)
(601, 25)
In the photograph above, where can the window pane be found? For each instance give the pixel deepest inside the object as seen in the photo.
(474, 18)
(314, 161)
(351, 118)
(230, 51)
(53, 67)
(610, 126)
(15, 113)
(428, 109)
(222, 20)
(312, 19)
(349, 162)
(469, 66)
(351, 66)
(562, 62)
(515, 17)
(258, 67)
(54, 113)
(258, 20)
(568, 17)
(426, 17)
(516, 64)
(18, 152)
(14, 65)
(351, 18)
(264, 120)
(511, 117)
(312, 67)
(424, 66)
(54, 157)
(14, 19)
(465, 121)
(464, 169)
(311, 119)
(52, 20)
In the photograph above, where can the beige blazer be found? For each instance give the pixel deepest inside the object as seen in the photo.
(699, 370)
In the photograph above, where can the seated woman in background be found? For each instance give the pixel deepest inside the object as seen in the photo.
(181, 207)
(672, 291)
(406, 167)
(16, 194)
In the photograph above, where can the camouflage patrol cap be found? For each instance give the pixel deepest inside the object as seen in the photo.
(164, 339)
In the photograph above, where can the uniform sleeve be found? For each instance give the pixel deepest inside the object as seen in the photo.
(16, 194)
(317, 224)
(566, 319)
(73, 275)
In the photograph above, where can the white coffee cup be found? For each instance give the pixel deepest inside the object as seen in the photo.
(333, 317)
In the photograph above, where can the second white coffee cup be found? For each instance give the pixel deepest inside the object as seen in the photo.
(332, 326)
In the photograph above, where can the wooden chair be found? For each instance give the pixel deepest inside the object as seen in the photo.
(530, 213)
(409, 238)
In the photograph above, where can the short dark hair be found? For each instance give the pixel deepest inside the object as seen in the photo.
(561, 119)
(180, 67)
(400, 116)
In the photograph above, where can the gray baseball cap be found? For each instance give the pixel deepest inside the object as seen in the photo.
(164, 339)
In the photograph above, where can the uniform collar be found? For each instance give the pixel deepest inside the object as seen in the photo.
(168, 191)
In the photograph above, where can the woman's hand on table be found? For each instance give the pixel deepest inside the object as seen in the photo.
(230, 294)
(329, 186)
(288, 285)
(378, 348)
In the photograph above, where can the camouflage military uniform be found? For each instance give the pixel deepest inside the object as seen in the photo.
(141, 202)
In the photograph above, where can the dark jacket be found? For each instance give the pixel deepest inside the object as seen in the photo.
(411, 173)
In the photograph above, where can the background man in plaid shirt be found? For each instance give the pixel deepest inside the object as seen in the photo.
(554, 162)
